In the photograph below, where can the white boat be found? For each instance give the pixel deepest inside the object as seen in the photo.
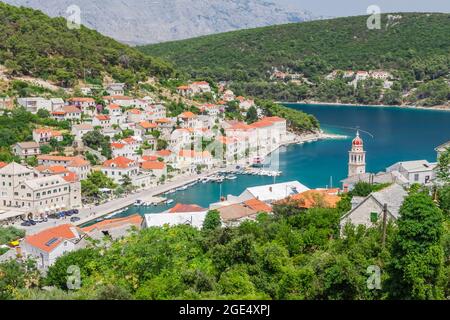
(169, 201)
(232, 177)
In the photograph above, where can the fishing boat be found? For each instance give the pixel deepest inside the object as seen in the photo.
(231, 177)
(169, 201)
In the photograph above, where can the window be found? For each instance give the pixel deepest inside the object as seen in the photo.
(416, 177)
(373, 217)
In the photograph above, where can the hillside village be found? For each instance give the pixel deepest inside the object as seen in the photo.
(122, 148)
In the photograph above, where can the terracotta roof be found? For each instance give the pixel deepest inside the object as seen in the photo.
(179, 208)
(262, 124)
(153, 165)
(273, 119)
(54, 133)
(201, 83)
(129, 140)
(70, 109)
(313, 198)
(135, 111)
(113, 106)
(71, 177)
(102, 117)
(78, 162)
(258, 205)
(58, 113)
(183, 88)
(241, 126)
(117, 97)
(78, 99)
(117, 145)
(3, 164)
(115, 223)
(164, 153)
(163, 120)
(226, 140)
(149, 158)
(187, 115)
(193, 154)
(119, 162)
(49, 239)
(147, 125)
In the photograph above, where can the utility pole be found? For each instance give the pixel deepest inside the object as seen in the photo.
(383, 240)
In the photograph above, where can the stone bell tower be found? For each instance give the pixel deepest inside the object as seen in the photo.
(357, 157)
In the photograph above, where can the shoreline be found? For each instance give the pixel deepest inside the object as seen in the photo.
(336, 104)
(90, 214)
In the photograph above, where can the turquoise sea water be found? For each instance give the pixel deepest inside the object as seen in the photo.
(396, 134)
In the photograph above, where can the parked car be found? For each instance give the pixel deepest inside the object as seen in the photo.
(74, 219)
(33, 223)
(26, 224)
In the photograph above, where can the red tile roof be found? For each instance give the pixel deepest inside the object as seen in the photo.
(153, 165)
(49, 239)
(187, 115)
(179, 208)
(113, 106)
(164, 153)
(147, 125)
(273, 119)
(258, 205)
(3, 164)
(115, 223)
(119, 162)
(103, 117)
(71, 177)
(193, 154)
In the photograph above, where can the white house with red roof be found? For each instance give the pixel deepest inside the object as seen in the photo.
(135, 115)
(69, 113)
(50, 244)
(127, 148)
(120, 166)
(123, 101)
(114, 110)
(81, 167)
(245, 103)
(189, 159)
(101, 120)
(188, 119)
(44, 135)
(200, 87)
(156, 168)
(155, 111)
(144, 128)
(86, 105)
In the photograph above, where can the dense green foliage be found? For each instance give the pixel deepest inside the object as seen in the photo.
(296, 119)
(415, 48)
(33, 44)
(418, 256)
(293, 254)
(8, 234)
(18, 125)
(96, 141)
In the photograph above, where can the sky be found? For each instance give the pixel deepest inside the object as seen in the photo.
(339, 8)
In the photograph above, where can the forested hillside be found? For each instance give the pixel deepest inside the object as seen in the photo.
(33, 44)
(415, 48)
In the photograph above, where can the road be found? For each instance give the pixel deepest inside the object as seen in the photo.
(91, 213)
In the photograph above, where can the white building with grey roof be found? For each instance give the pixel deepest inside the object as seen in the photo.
(368, 211)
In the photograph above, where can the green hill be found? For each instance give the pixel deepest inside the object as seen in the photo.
(34, 44)
(416, 48)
